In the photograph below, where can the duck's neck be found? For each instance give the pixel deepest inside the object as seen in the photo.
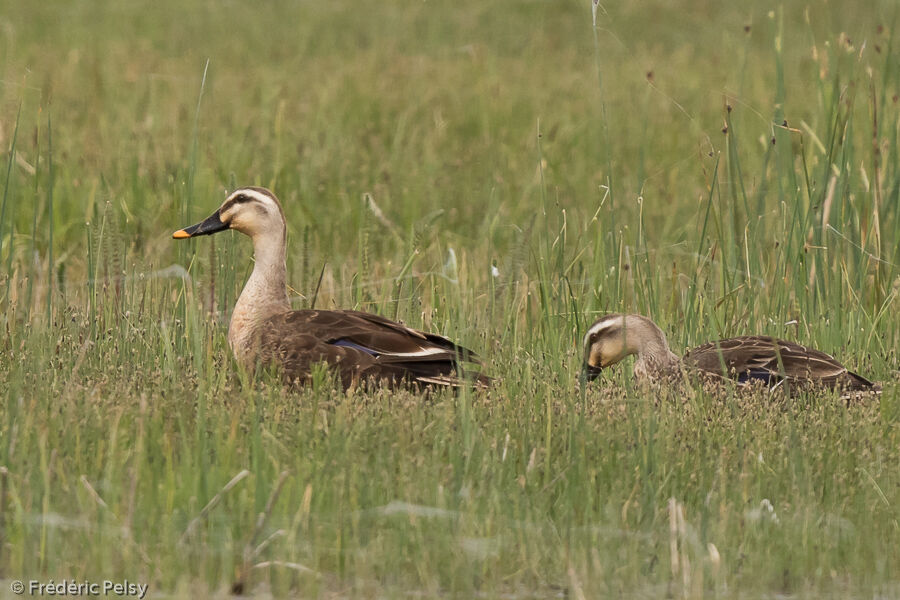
(264, 294)
(654, 358)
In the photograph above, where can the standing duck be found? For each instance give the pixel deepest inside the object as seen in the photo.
(744, 359)
(359, 346)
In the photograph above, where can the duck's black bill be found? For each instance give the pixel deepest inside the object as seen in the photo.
(212, 224)
(591, 373)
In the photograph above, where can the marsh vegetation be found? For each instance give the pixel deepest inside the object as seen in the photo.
(500, 173)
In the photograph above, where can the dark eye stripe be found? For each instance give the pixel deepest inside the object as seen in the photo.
(606, 330)
(242, 199)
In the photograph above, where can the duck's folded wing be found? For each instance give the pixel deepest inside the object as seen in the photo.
(392, 337)
(374, 334)
(767, 358)
(362, 344)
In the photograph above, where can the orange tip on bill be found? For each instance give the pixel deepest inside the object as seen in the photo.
(181, 234)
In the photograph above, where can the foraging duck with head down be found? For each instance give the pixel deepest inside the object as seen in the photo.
(359, 346)
(745, 359)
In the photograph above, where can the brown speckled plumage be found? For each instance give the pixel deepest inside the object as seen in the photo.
(774, 358)
(359, 346)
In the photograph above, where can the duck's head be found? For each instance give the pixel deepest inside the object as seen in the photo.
(613, 337)
(250, 210)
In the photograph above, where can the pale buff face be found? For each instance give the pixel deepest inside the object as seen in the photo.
(606, 342)
(252, 212)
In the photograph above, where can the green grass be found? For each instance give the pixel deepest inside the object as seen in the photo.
(639, 165)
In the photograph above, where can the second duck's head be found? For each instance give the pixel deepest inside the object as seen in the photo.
(615, 336)
(250, 210)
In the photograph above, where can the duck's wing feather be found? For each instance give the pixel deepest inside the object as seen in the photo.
(770, 359)
(361, 345)
(389, 337)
